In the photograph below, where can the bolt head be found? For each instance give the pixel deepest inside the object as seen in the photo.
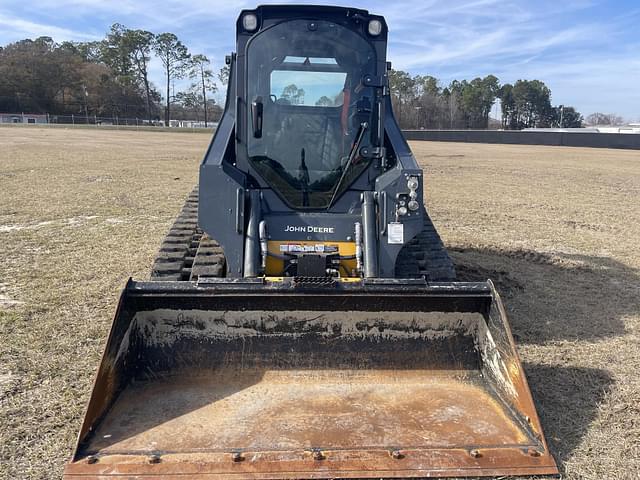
(534, 452)
(396, 454)
(237, 457)
(475, 453)
(318, 455)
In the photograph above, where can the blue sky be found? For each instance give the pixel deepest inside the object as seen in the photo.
(586, 51)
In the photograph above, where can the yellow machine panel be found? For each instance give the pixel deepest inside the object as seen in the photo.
(275, 266)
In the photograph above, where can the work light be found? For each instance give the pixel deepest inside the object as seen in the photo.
(375, 27)
(250, 22)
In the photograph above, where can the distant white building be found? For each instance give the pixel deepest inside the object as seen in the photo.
(631, 128)
(191, 124)
(34, 118)
(562, 130)
(624, 129)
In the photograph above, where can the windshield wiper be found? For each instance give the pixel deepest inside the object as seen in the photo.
(303, 178)
(352, 156)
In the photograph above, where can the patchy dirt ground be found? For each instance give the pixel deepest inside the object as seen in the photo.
(556, 228)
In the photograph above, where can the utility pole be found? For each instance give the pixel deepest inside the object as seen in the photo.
(173, 96)
(204, 93)
(86, 101)
(451, 111)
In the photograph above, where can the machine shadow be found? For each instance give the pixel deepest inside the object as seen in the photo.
(555, 296)
(567, 400)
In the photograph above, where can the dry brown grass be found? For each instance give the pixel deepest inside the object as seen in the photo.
(556, 228)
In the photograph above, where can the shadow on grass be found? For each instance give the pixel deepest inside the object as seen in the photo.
(555, 296)
(559, 297)
(566, 399)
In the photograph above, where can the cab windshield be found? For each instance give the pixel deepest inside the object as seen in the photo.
(305, 82)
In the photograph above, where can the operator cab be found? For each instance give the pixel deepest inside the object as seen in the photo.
(308, 174)
(310, 112)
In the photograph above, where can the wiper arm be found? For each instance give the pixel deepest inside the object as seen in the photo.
(352, 156)
(303, 178)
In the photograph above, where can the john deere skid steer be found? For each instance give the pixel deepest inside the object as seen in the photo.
(303, 318)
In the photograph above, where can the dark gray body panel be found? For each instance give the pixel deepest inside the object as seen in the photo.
(227, 177)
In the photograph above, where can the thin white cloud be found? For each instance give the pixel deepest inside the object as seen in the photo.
(14, 28)
(602, 82)
(499, 44)
(588, 61)
(147, 14)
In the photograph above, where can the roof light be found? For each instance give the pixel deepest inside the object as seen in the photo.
(250, 22)
(375, 27)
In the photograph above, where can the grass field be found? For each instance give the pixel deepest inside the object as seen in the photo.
(556, 228)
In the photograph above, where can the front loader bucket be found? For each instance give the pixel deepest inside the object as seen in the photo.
(257, 380)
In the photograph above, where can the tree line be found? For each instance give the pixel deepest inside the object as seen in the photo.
(109, 77)
(423, 102)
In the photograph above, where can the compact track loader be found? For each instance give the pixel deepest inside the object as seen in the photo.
(303, 318)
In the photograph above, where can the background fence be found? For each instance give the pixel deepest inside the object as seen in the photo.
(567, 139)
(96, 121)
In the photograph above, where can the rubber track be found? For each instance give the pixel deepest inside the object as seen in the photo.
(209, 260)
(426, 256)
(186, 253)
